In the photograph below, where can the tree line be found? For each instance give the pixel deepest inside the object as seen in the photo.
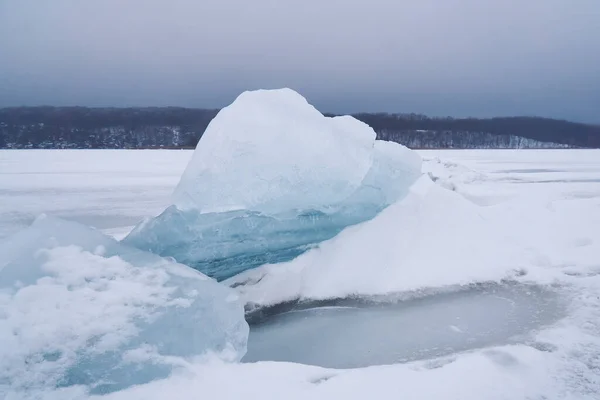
(167, 127)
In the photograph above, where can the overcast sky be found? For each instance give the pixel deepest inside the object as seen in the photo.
(438, 57)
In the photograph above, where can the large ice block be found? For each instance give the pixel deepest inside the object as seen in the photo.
(272, 151)
(270, 177)
(78, 308)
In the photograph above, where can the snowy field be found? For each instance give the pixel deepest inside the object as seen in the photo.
(497, 298)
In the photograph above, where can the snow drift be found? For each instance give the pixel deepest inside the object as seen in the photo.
(271, 176)
(432, 238)
(78, 308)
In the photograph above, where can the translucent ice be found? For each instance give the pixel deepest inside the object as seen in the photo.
(272, 151)
(270, 177)
(78, 308)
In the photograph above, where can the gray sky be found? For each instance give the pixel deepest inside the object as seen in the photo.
(438, 57)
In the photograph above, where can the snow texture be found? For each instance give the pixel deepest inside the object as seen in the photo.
(270, 177)
(78, 308)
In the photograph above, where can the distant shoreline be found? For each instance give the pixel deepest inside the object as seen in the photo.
(193, 148)
(180, 128)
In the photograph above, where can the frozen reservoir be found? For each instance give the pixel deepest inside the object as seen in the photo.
(351, 333)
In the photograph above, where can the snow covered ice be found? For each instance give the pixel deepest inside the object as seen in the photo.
(547, 229)
(110, 190)
(270, 177)
(78, 308)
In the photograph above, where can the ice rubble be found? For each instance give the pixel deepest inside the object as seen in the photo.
(270, 177)
(78, 308)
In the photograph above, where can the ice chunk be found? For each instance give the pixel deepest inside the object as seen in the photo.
(270, 177)
(272, 151)
(78, 308)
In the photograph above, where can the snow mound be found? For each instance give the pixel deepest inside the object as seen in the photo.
(433, 238)
(78, 308)
(270, 177)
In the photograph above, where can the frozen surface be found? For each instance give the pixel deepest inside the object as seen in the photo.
(78, 308)
(549, 218)
(350, 334)
(270, 177)
(111, 190)
(494, 177)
